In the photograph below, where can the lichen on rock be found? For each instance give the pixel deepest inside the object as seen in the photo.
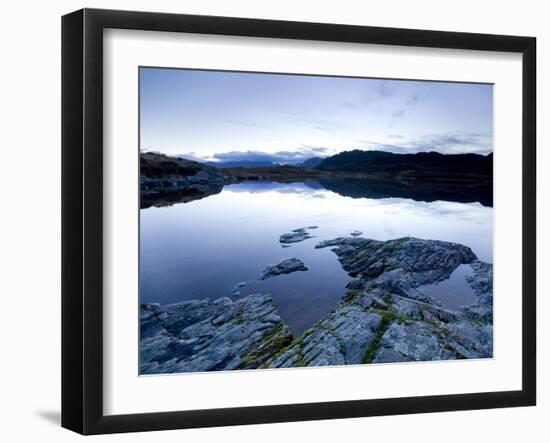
(385, 317)
(204, 335)
(286, 266)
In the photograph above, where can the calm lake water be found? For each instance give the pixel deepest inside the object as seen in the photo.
(203, 248)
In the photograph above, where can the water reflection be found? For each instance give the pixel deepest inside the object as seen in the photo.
(203, 248)
(454, 292)
(375, 188)
(472, 192)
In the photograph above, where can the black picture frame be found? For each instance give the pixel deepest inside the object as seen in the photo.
(82, 219)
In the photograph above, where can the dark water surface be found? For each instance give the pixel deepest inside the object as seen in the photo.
(203, 248)
(453, 292)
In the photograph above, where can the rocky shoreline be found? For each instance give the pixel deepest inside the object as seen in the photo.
(166, 180)
(204, 335)
(383, 316)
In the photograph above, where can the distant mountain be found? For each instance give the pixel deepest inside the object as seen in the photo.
(309, 163)
(421, 162)
(243, 164)
(312, 162)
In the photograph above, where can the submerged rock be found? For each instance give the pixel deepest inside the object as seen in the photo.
(203, 335)
(297, 235)
(286, 266)
(236, 289)
(385, 317)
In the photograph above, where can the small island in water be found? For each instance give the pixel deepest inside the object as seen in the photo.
(387, 311)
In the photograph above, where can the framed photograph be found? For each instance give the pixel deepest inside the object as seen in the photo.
(268, 221)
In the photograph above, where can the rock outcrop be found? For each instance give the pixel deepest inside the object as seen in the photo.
(297, 235)
(481, 282)
(286, 266)
(167, 180)
(385, 317)
(236, 291)
(203, 335)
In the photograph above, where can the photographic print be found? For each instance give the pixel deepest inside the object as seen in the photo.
(294, 221)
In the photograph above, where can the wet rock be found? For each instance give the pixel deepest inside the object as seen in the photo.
(203, 335)
(340, 338)
(286, 266)
(417, 262)
(297, 235)
(414, 341)
(328, 243)
(481, 282)
(385, 317)
(236, 289)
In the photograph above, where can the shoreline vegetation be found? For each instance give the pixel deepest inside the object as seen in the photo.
(464, 178)
(383, 315)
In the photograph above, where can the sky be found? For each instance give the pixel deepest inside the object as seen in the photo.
(234, 116)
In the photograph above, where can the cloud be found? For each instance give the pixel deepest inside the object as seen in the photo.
(384, 97)
(388, 147)
(299, 155)
(323, 128)
(371, 97)
(385, 89)
(415, 99)
(457, 142)
(191, 156)
(349, 105)
(412, 101)
(279, 188)
(304, 120)
(248, 124)
(446, 143)
(397, 114)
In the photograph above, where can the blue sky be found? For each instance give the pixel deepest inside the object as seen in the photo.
(231, 116)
